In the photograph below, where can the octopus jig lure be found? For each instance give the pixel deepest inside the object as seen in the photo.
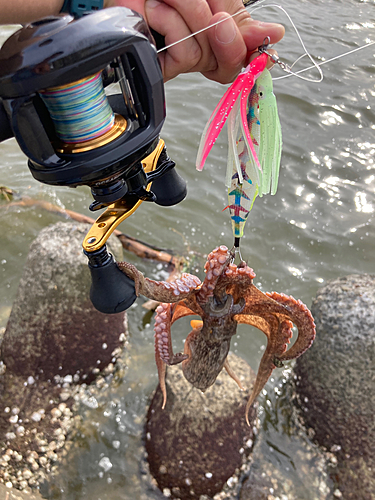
(254, 137)
(254, 132)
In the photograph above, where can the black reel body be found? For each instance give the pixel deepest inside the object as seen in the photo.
(57, 51)
(121, 157)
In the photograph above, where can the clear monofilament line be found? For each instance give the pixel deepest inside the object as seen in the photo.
(290, 73)
(326, 61)
(80, 111)
(249, 9)
(306, 52)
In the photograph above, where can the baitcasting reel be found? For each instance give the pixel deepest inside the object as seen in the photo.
(52, 78)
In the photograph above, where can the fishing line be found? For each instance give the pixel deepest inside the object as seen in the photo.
(240, 11)
(82, 116)
(327, 61)
(284, 66)
(80, 110)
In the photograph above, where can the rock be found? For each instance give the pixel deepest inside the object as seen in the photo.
(257, 486)
(336, 381)
(54, 340)
(199, 441)
(285, 466)
(12, 494)
(53, 328)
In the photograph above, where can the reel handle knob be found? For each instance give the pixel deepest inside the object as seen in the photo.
(111, 290)
(169, 189)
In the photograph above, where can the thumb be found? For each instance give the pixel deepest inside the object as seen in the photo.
(228, 47)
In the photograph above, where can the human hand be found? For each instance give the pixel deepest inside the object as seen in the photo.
(220, 52)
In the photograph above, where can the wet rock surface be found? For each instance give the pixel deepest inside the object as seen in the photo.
(8, 494)
(53, 328)
(200, 442)
(258, 485)
(54, 341)
(293, 470)
(336, 381)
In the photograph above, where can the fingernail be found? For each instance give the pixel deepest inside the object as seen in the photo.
(152, 4)
(265, 25)
(225, 32)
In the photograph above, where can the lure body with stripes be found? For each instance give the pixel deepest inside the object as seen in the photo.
(245, 180)
(254, 136)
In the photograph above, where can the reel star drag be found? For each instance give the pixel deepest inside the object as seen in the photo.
(52, 78)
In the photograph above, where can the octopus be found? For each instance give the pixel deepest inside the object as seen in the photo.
(226, 298)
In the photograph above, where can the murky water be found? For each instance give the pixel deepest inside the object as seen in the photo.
(319, 225)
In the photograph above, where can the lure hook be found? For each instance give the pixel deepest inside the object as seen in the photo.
(264, 46)
(263, 49)
(235, 251)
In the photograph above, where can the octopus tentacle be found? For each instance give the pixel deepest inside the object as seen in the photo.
(163, 344)
(259, 303)
(281, 339)
(236, 280)
(159, 348)
(231, 373)
(241, 272)
(256, 321)
(277, 344)
(216, 263)
(302, 318)
(226, 297)
(277, 324)
(180, 310)
(163, 291)
(132, 272)
(163, 341)
(265, 369)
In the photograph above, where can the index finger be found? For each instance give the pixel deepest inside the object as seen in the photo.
(253, 31)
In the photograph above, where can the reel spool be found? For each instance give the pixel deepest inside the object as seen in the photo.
(53, 73)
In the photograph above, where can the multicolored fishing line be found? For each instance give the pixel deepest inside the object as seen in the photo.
(80, 111)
